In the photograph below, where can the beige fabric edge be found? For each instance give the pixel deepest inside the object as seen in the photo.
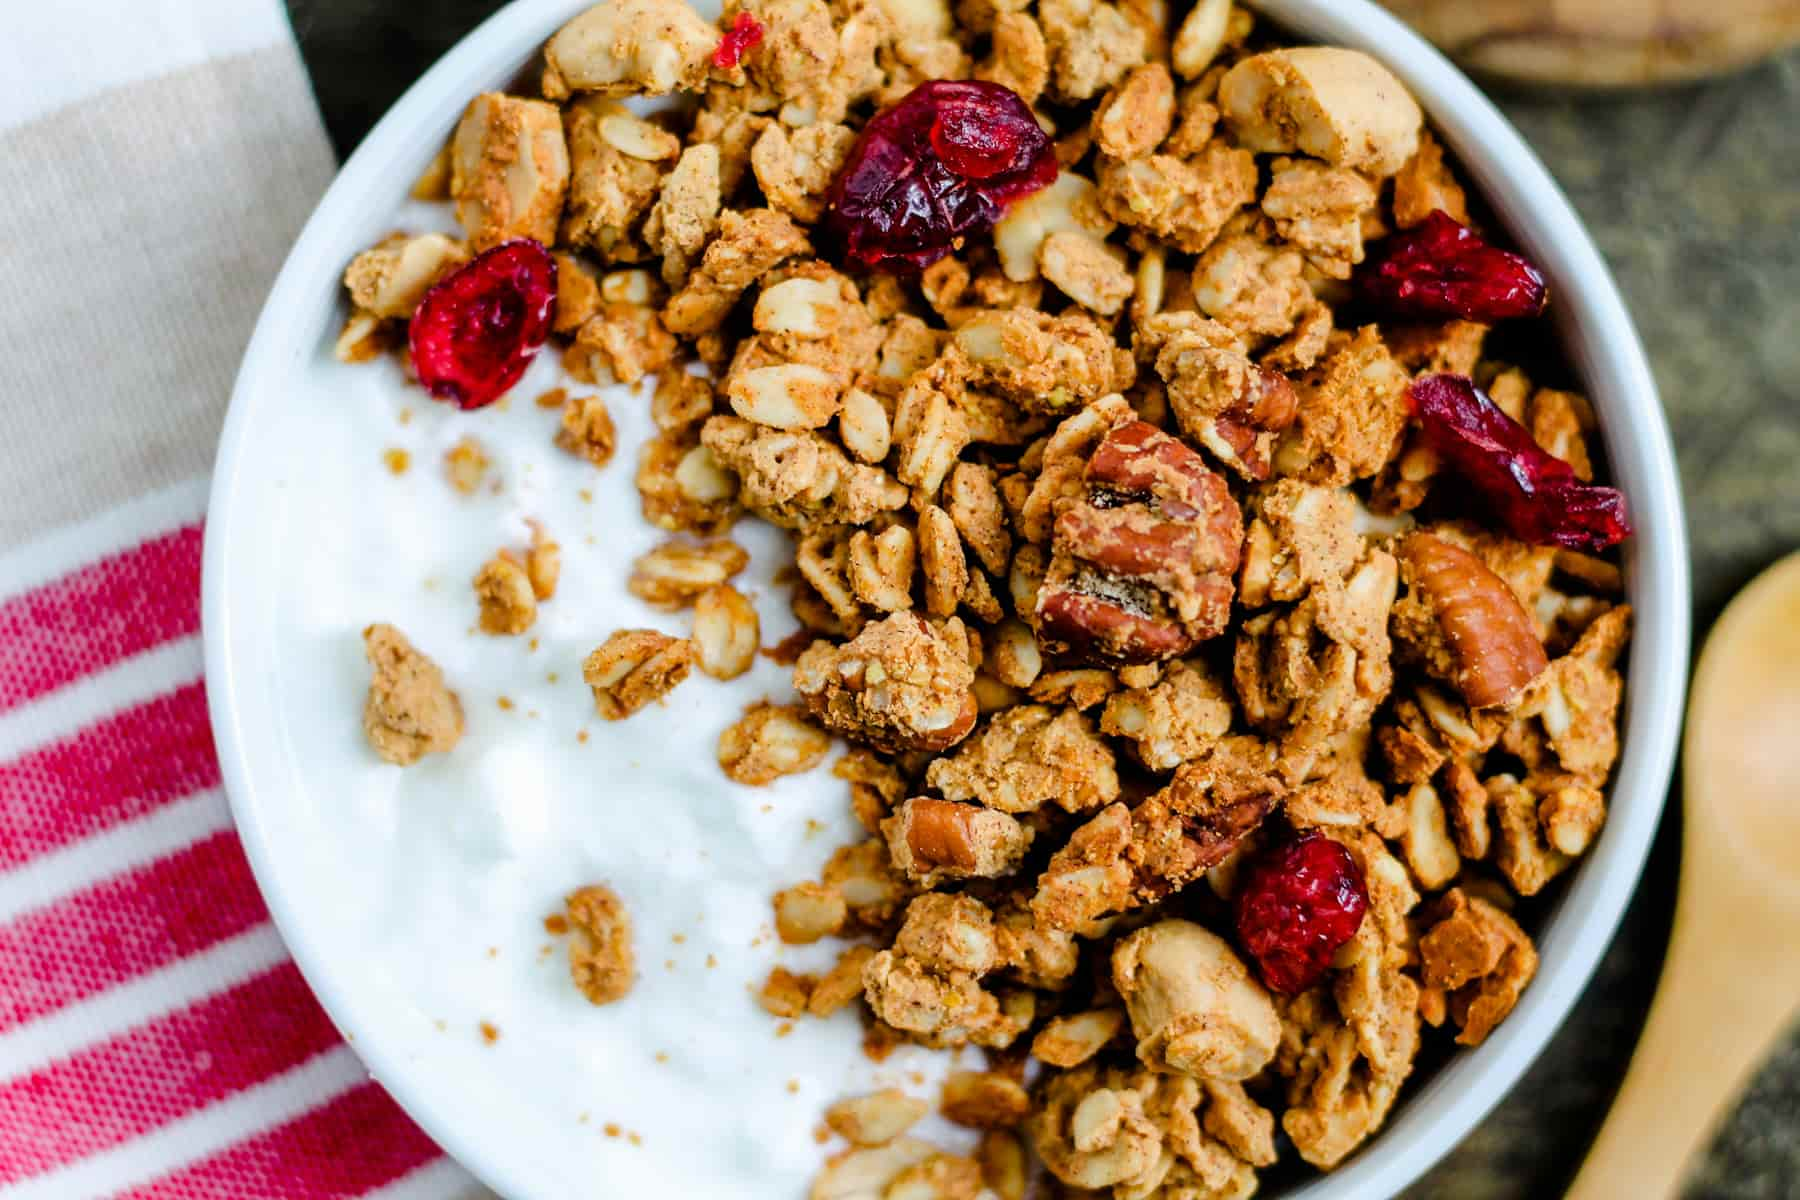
(141, 231)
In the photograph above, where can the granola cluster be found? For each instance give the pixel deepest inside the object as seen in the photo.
(1119, 554)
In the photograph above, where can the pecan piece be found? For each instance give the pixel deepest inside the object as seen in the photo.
(1142, 564)
(941, 839)
(1466, 623)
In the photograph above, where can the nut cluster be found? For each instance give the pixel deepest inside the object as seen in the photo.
(1124, 569)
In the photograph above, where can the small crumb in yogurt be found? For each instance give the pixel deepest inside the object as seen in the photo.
(505, 703)
(397, 460)
(553, 398)
(490, 1032)
(556, 924)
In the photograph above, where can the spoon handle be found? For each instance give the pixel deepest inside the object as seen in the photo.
(1729, 986)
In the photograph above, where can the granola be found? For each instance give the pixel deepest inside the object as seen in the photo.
(1121, 557)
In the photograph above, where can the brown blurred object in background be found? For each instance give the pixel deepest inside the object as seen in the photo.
(1604, 43)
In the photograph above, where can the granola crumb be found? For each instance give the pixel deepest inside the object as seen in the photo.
(396, 460)
(490, 1032)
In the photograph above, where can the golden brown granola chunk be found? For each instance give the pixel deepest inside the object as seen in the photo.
(633, 667)
(769, 741)
(1195, 1008)
(630, 47)
(509, 170)
(898, 685)
(1479, 955)
(505, 595)
(409, 712)
(1027, 756)
(601, 960)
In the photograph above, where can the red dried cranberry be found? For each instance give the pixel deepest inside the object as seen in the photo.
(1440, 269)
(479, 327)
(1533, 493)
(1295, 906)
(745, 34)
(936, 168)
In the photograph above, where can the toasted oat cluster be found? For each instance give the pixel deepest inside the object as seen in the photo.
(1214, 712)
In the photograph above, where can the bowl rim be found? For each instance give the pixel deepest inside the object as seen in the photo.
(1593, 326)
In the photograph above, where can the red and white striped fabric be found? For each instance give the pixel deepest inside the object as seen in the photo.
(155, 1039)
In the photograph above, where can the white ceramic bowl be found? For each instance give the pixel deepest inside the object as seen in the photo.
(266, 707)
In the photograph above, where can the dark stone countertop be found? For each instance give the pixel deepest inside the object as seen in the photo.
(1693, 195)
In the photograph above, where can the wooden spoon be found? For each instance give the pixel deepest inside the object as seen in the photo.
(1731, 982)
(1604, 43)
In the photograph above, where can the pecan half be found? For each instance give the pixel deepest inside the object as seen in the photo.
(1466, 623)
(1142, 564)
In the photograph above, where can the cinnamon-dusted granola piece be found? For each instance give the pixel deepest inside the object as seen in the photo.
(807, 912)
(769, 741)
(797, 479)
(1173, 720)
(1299, 537)
(794, 168)
(1185, 202)
(392, 276)
(506, 599)
(1336, 104)
(1069, 1041)
(1088, 272)
(1142, 566)
(1071, 204)
(633, 667)
(877, 1118)
(1195, 1007)
(615, 164)
(933, 840)
(1464, 625)
(898, 685)
(1352, 411)
(587, 429)
(1019, 59)
(864, 875)
(621, 343)
(727, 632)
(509, 170)
(1230, 405)
(1136, 116)
(1479, 955)
(748, 245)
(929, 984)
(1125, 858)
(1092, 44)
(686, 212)
(1320, 210)
(1042, 363)
(577, 294)
(630, 47)
(409, 712)
(983, 1100)
(1568, 719)
(601, 961)
(1252, 284)
(974, 505)
(1145, 1134)
(1426, 185)
(1027, 756)
(676, 573)
(683, 487)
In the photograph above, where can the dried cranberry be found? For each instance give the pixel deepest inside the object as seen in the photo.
(479, 327)
(1295, 906)
(1533, 493)
(1440, 269)
(936, 168)
(745, 34)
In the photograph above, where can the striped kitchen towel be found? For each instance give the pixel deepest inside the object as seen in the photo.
(155, 1039)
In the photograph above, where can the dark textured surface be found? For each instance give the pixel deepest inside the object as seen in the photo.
(1694, 197)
